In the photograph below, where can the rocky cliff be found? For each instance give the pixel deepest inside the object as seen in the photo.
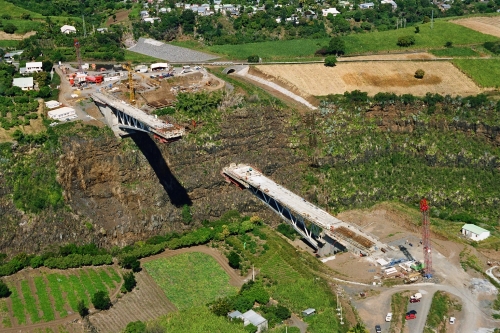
(119, 191)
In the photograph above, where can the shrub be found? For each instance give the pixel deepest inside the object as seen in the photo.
(282, 312)
(448, 44)
(234, 260)
(186, 214)
(82, 309)
(131, 262)
(419, 74)
(129, 281)
(405, 41)
(330, 61)
(9, 28)
(101, 300)
(287, 231)
(135, 327)
(417, 29)
(4, 290)
(253, 58)
(221, 306)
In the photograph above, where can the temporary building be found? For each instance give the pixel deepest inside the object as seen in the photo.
(308, 312)
(65, 113)
(94, 79)
(52, 104)
(474, 232)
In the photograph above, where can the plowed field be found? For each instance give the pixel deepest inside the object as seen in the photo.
(373, 77)
(486, 25)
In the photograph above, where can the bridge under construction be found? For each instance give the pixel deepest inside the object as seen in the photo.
(321, 230)
(124, 118)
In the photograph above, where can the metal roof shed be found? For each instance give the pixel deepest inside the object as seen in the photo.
(234, 315)
(308, 312)
(474, 232)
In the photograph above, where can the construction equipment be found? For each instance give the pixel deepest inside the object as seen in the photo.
(128, 67)
(426, 238)
(413, 277)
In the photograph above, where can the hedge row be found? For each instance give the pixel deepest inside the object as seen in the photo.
(78, 260)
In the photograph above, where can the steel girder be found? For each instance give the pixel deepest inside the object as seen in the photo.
(129, 122)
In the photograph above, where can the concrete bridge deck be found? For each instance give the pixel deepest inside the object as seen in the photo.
(347, 234)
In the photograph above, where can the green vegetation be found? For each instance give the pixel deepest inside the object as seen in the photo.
(29, 302)
(468, 260)
(83, 310)
(43, 299)
(455, 52)
(101, 300)
(203, 275)
(4, 290)
(139, 58)
(442, 308)
(330, 61)
(484, 72)
(287, 230)
(399, 306)
(129, 281)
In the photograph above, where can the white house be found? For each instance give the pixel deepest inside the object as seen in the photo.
(391, 2)
(25, 83)
(252, 317)
(474, 232)
(68, 29)
(52, 104)
(64, 113)
(332, 11)
(102, 30)
(32, 67)
(367, 5)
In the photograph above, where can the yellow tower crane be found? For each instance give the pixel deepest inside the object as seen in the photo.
(128, 67)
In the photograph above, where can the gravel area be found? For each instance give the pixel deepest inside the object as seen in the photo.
(169, 52)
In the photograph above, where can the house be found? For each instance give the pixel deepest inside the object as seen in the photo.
(32, 67)
(308, 312)
(102, 30)
(252, 317)
(9, 56)
(474, 232)
(144, 14)
(163, 10)
(64, 113)
(25, 83)
(445, 6)
(68, 29)
(332, 11)
(390, 2)
(366, 5)
(52, 104)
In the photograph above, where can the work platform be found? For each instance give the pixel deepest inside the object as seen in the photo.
(127, 117)
(317, 226)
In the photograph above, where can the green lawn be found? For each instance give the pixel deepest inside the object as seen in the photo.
(9, 43)
(485, 72)
(139, 58)
(190, 279)
(455, 52)
(24, 26)
(16, 11)
(303, 49)
(65, 292)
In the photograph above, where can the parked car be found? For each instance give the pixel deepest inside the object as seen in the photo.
(378, 329)
(410, 316)
(414, 300)
(452, 320)
(412, 312)
(388, 317)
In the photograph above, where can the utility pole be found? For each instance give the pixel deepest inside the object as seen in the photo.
(432, 19)
(84, 30)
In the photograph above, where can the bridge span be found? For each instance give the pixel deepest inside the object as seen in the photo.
(123, 118)
(321, 230)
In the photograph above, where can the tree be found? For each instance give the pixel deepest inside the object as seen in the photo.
(282, 312)
(221, 306)
(417, 29)
(358, 328)
(131, 262)
(101, 300)
(330, 61)
(186, 214)
(448, 44)
(234, 260)
(419, 74)
(336, 46)
(41, 78)
(253, 58)
(135, 327)
(129, 281)
(26, 16)
(82, 309)
(405, 41)
(44, 92)
(9, 28)
(4, 290)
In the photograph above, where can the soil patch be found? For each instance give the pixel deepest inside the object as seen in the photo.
(486, 25)
(121, 17)
(6, 36)
(373, 77)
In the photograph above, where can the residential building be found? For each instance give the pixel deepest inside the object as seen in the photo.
(68, 29)
(332, 11)
(102, 30)
(252, 317)
(391, 2)
(25, 83)
(474, 232)
(34, 67)
(367, 5)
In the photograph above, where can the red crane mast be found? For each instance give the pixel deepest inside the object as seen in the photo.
(426, 238)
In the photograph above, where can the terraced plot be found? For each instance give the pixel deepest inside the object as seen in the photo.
(44, 296)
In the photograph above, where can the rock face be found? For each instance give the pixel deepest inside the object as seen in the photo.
(123, 191)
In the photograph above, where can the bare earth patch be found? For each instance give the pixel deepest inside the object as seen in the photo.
(6, 36)
(486, 25)
(373, 77)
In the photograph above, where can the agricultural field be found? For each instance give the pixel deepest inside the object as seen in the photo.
(190, 279)
(43, 295)
(487, 24)
(483, 71)
(455, 52)
(16, 11)
(372, 77)
(303, 49)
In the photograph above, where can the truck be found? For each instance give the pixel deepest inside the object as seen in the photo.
(413, 277)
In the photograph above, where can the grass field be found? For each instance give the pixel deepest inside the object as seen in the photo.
(190, 279)
(304, 49)
(485, 72)
(139, 58)
(9, 43)
(24, 26)
(16, 11)
(455, 52)
(55, 295)
(442, 307)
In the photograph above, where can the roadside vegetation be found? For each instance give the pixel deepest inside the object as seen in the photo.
(459, 52)
(442, 308)
(399, 307)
